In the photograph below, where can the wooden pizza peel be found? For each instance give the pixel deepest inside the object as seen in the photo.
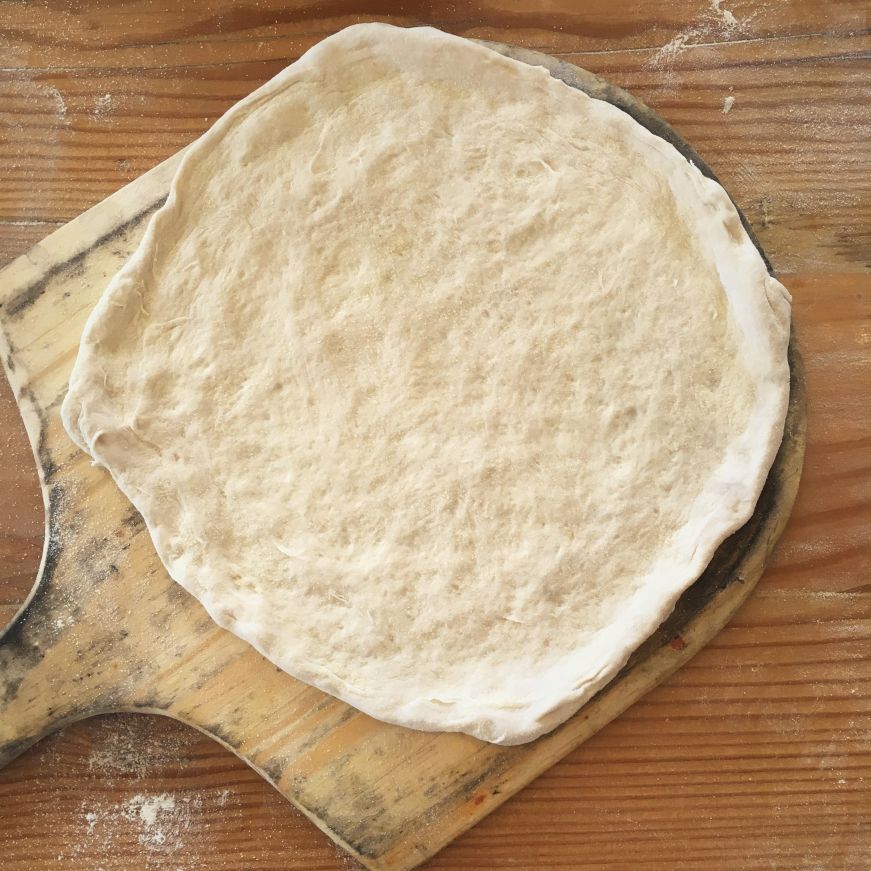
(105, 629)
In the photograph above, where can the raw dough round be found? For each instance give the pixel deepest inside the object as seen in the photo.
(437, 380)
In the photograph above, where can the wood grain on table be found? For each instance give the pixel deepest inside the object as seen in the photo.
(755, 755)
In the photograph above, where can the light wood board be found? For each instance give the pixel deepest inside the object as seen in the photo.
(106, 629)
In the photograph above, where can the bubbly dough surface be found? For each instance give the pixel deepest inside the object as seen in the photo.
(437, 380)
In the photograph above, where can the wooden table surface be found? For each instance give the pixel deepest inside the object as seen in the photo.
(755, 755)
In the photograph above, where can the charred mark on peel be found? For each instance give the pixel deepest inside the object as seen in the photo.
(217, 731)
(74, 266)
(57, 401)
(371, 842)
(16, 748)
(10, 688)
(274, 769)
(20, 652)
(27, 297)
(91, 558)
(56, 505)
(47, 464)
(133, 520)
(368, 845)
(40, 603)
(320, 733)
(467, 790)
(208, 674)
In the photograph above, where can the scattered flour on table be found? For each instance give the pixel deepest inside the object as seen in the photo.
(123, 746)
(729, 20)
(167, 825)
(713, 22)
(103, 105)
(60, 106)
(149, 807)
(27, 95)
(159, 821)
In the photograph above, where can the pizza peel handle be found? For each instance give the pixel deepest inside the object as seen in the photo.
(65, 655)
(62, 657)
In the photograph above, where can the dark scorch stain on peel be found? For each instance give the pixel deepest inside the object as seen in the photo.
(15, 307)
(355, 825)
(274, 769)
(133, 520)
(22, 640)
(47, 464)
(372, 844)
(316, 736)
(367, 844)
(27, 297)
(218, 731)
(208, 672)
(22, 645)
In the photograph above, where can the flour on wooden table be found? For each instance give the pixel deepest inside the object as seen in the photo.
(714, 23)
(159, 821)
(165, 823)
(59, 102)
(104, 104)
(123, 747)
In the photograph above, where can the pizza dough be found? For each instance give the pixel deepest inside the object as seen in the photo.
(437, 380)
